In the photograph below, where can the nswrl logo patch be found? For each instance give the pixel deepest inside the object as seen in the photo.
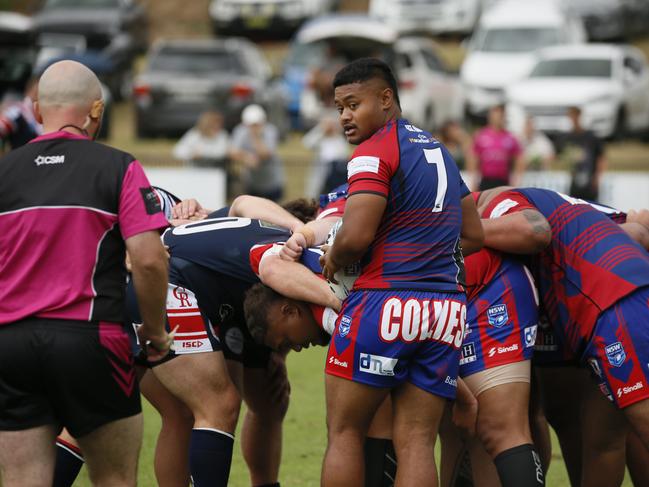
(345, 325)
(497, 315)
(615, 354)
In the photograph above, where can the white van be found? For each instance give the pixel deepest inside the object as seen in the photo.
(501, 50)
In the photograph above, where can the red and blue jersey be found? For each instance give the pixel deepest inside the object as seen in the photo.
(417, 245)
(590, 264)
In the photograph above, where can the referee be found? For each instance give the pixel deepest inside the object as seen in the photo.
(69, 208)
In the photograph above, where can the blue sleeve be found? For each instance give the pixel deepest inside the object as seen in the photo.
(311, 259)
(220, 213)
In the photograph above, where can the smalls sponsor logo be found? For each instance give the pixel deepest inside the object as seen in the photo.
(40, 160)
(500, 350)
(450, 381)
(615, 354)
(530, 336)
(468, 353)
(497, 315)
(339, 363)
(420, 139)
(412, 128)
(623, 391)
(376, 364)
(345, 325)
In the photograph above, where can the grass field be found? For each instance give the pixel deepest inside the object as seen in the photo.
(304, 433)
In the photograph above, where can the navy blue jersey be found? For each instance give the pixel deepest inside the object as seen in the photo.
(223, 244)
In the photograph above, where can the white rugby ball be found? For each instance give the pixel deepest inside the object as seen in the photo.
(345, 276)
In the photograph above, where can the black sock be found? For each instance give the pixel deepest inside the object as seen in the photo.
(380, 463)
(69, 461)
(210, 457)
(520, 467)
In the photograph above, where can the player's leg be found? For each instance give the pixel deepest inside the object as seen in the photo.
(266, 393)
(171, 460)
(539, 426)
(503, 422)
(380, 457)
(27, 457)
(417, 414)
(603, 440)
(201, 381)
(455, 465)
(112, 451)
(637, 459)
(350, 409)
(562, 395)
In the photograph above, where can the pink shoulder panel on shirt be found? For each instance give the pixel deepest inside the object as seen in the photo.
(135, 216)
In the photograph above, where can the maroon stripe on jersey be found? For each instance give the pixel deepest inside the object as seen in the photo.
(592, 236)
(622, 253)
(36, 275)
(564, 214)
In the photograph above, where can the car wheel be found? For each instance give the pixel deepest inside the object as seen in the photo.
(620, 129)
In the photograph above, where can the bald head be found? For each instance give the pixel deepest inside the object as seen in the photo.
(68, 84)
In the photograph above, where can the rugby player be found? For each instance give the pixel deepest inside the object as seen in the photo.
(593, 283)
(402, 221)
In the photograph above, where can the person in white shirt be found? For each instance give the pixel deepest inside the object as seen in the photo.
(537, 147)
(206, 144)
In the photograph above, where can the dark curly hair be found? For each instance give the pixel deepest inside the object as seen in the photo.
(256, 306)
(365, 69)
(304, 209)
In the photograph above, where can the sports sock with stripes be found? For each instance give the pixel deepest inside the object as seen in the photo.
(520, 467)
(380, 462)
(210, 457)
(69, 461)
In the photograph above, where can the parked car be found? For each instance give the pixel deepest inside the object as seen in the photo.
(501, 49)
(232, 17)
(429, 16)
(610, 83)
(603, 19)
(17, 54)
(113, 29)
(185, 77)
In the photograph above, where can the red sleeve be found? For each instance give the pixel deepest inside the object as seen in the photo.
(335, 208)
(257, 253)
(507, 202)
(373, 164)
(139, 207)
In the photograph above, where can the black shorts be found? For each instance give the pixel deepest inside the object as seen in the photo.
(74, 374)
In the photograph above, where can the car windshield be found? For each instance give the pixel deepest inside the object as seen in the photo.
(82, 3)
(516, 40)
(305, 55)
(570, 68)
(197, 61)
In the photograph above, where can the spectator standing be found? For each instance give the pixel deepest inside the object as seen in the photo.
(18, 124)
(584, 153)
(206, 144)
(329, 167)
(537, 147)
(254, 148)
(69, 208)
(497, 158)
(457, 141)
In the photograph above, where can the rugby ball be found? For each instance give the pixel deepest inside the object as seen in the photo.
(345, 276)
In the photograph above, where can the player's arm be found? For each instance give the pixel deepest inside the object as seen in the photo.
(296, 281)
(522, 232)
(149, 272)
(247, 206)
(312, 234)
(363, 215)
(471, 234)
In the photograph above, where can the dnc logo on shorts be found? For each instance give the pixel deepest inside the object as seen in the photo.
(497, 315)
(615, 354)
(345, 325)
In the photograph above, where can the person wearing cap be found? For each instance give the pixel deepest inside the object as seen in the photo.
(254, 149)
(69, 209)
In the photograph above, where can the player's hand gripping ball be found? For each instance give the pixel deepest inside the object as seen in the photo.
(345, 276)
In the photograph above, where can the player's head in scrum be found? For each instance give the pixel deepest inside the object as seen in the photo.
(366, 97)
(279, 322)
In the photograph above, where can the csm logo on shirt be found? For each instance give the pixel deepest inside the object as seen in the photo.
(40, 160)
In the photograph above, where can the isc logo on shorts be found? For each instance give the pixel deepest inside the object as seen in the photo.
(376, 364)
(416, 320)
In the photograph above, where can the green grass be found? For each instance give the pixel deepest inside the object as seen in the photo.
(304, 433)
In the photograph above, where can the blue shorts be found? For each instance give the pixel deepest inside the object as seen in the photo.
(618, 352)
(501, 323)
(387, 337)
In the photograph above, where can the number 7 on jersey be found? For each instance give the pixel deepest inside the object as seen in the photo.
(436, 156)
